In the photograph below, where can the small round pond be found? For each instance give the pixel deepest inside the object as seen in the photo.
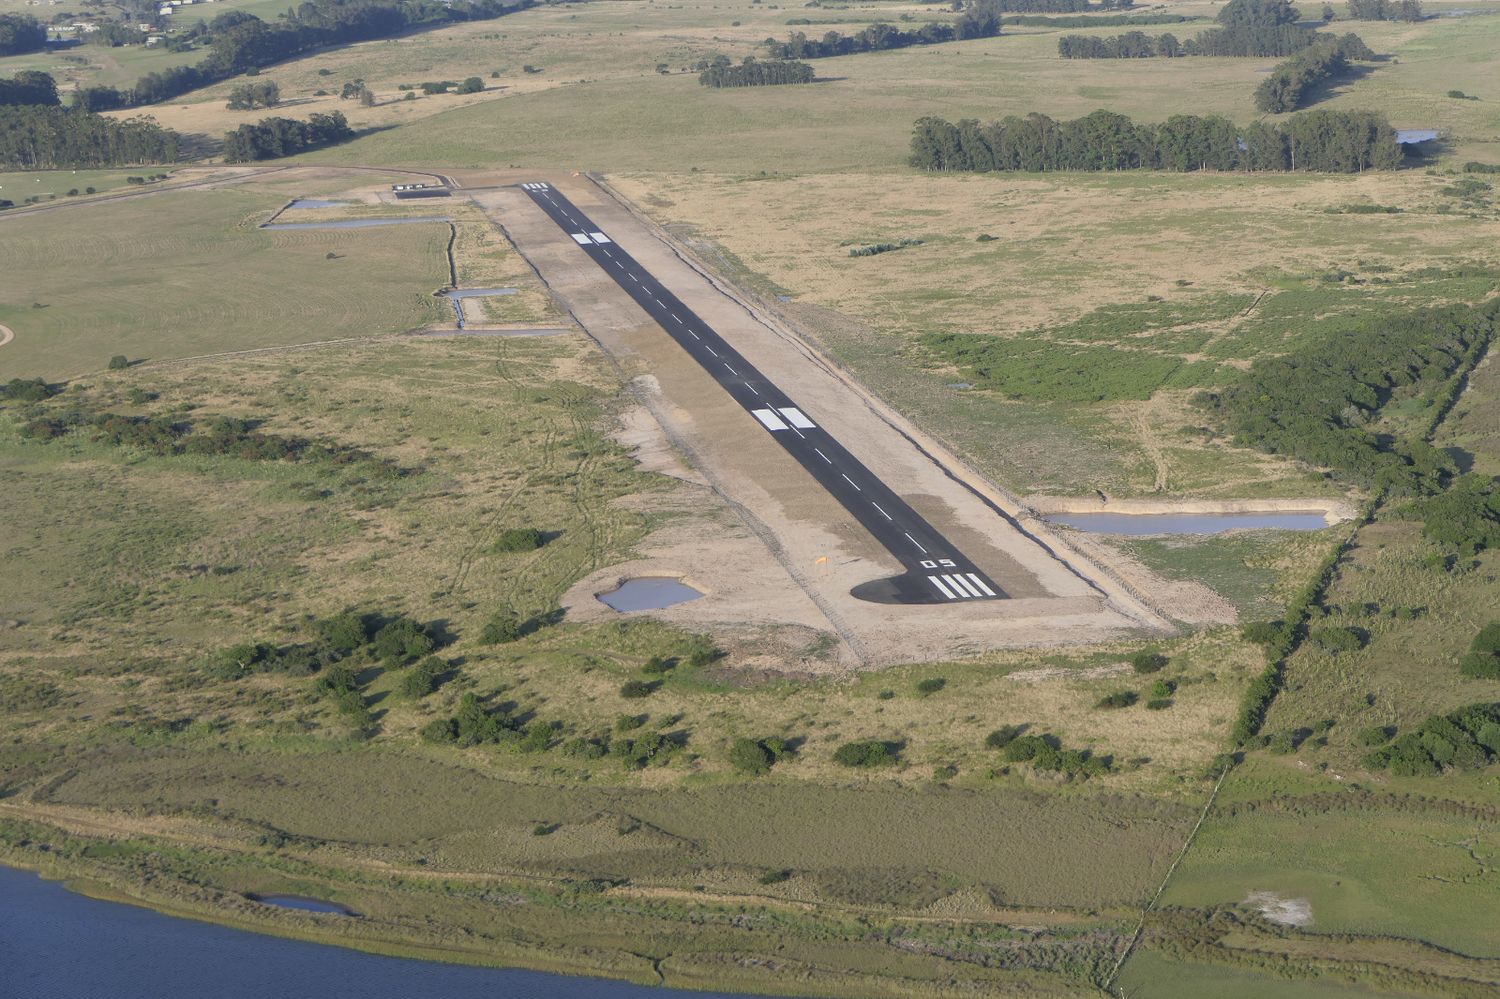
(1139, 524)
(648, 593)
(303, 903)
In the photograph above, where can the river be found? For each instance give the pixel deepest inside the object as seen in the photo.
(55, 944)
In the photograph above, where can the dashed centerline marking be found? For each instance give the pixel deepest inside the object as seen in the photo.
(882, 510)
(731, 371)
(915, 542)
(823, 456)
(855, 485)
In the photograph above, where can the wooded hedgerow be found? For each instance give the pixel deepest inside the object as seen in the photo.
(1327, 141)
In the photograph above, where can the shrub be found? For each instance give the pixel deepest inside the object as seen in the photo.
(1002, 736)
(931, 685)
(343, 633)
(636, 689)
(1159, 704)
(864, 753)
(1480, 666)
(88, 190)
(585, 748)
(655, 749)
(748, 756)
(538, 737)
(118, 363)
(471, 85)
(440, 730)
(422, 679)
(701, 651)
(519, 539)
(657, 666)
(236, 661)
(27, 390)
(1024, 748)
(401, 640)
(775, 877)
(1334, 640)
(502, 627)
(1148, 661)
(886, 695)
(1118, 699)
(1375, 735)
(1282, 743)
(1162, 688)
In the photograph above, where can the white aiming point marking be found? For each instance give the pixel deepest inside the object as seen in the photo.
(580, 238)
(768, 419)
(795, 418)
(599, 237)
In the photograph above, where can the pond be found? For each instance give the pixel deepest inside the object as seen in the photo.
(648, 593)
(353, 223)
(1141, 524)
(1411, 136)
(58, 945)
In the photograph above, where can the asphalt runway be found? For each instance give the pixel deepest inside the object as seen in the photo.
(936, 571)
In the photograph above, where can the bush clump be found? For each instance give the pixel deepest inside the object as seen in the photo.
(1466, 739)
(1046, 753)
(1118, 699)
(1482, 661)
(931, 685)
(1148, 661)
(635, 689)
(502, 627)
(423, 678)
(401, 640)
(757, 756)
(865, 753)
(519, 539)
(1002, 736)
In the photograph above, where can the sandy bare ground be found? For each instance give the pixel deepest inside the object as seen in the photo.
(817, 549)
(6, 335)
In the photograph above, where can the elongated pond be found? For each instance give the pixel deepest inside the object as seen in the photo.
(59, 945)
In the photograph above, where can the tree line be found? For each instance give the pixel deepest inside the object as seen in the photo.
(273, 138)
(754, 73)
(20, 34)
(1385, 10)
(243, 42)
(49, 137)
(1284, 89)
(1324, 141)
(1246, 28)
(1279, 40)
(979, 21)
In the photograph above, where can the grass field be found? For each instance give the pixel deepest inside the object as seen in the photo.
(183, 274)
(860, 117)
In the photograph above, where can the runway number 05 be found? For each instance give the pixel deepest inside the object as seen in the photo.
(946, 563)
